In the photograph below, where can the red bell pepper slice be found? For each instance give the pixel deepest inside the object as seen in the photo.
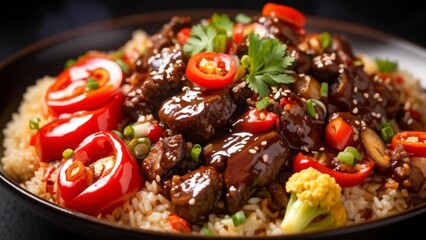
(211, 70)
(69, 92)
(155, 132)
(68, 130)
(414, 142)
(339, 134)
(343, 179)
(92, 189)
(284, 13)
(255, 121)
(179, 224)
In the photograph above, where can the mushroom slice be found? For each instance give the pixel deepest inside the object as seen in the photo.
(375, 147)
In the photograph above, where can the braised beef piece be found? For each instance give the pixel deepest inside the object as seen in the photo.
(279, 194)
(164, 38)
(196, 193)
(240, 92)
(325, 67)
(169, 156)
(198, 115)
(404, 171)
(165, 78)
(354, 92)
(302, 61)
(343, 49)
(255, 164)
(298, 128)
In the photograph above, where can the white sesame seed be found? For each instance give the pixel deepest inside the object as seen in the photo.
(409, 121)
(379, 115)
(265, 158)
(263, 143)
(252, 151)
(355, 110)
(305, 149)
(256, 148)
(376, 95)
(158, 178)
(321, 149)
(355, 89)
(407, 105)
(355, 102)
(191, 201)
(366, 95)
(373, 114)
(357, 122)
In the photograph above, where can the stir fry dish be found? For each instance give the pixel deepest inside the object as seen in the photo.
(225, 126)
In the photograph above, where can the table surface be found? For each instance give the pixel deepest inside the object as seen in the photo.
(18, 222)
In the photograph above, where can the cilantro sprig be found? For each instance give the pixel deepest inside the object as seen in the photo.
(267, 64)
(222, 23)
(386, 65)
(201, 39)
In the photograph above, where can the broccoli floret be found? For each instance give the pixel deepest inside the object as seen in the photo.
(313, 196)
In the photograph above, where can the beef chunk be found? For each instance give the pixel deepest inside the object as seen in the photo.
(325, 67)
(255, 164)
(195, 194)
(169, 156)
(302, 61)
(198, 115)
(136, 104)
(343, 49)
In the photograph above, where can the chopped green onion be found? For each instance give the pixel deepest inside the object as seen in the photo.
(386, 132)
(118, 133)
(68, 153)
(242, 18)
(261, 104)
(118, 54)
(358, 63)
(92, 84)
(122, 65)
(310, 107)
(245, 61)
(206, 231)
(69, 63)
(386, 66)
(346, 157)
(324, 89)
(140, 147)
(129, 132)
(325, 39)
(238, 218)
(219, 43)
(195, 152)
(35, 123)
(357, 155)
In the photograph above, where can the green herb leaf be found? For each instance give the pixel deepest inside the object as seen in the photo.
(242, 18)
(261, 104)
(386, 66)
(266, 64)
(222, 24)
(201, 39)
(326, 40)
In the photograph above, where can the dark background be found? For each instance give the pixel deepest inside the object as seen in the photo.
(25, 22)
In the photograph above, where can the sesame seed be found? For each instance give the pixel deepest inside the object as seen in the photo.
(376, 95)
(263, 143)
(158, 178)
(191, 201)
(256, 148)
(407, 105)
(355, 102)
(409, 121)
(355, 110)
(341, 70)
(366, 95)
(341, 65)
(321, 149)
(357, 122)
(265, 158)
(379, 115)
(373, 114)
(356, 136)
(252, 151)
(301, 75)
(355, 89)
(363, 123)
(305, 149)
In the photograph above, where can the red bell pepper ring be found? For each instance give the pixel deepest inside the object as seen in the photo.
(339, 134)
(69, 130)
(285, 13)
(414, 142)
(91, 189)
(211, 70)
(69, 92)
(255, 121)
(343, 179)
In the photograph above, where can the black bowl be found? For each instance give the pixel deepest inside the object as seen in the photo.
(48, 56)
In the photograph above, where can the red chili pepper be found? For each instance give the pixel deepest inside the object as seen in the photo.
(414, 142)
(70, 129)
(69, 92)
(155, 132)
(183, 35)
(100, 176)
(256, 121)
(179, 224)
(284, 13)
(343, 179)
(338, 133)
(211, 70)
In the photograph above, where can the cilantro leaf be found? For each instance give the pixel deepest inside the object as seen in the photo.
(201, 39)
(386, 65)
(222, 24)
(267, 64)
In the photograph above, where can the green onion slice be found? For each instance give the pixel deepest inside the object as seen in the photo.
(325, 39)
(140, 147)
(129, 132)
(206, 231)
(386, 132)
(357, 155)
(92, 84)
(124, 67)
(346, 157)
(35, 123)
(261, 104)
(69, 63)
(310, 107)
(195, 152)
(219, 43)
(242, 18)
(324, 89)
(239, 218)
(68, 153)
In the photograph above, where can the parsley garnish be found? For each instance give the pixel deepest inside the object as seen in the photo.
(222, 24)
(201, 39)
(266, 64)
